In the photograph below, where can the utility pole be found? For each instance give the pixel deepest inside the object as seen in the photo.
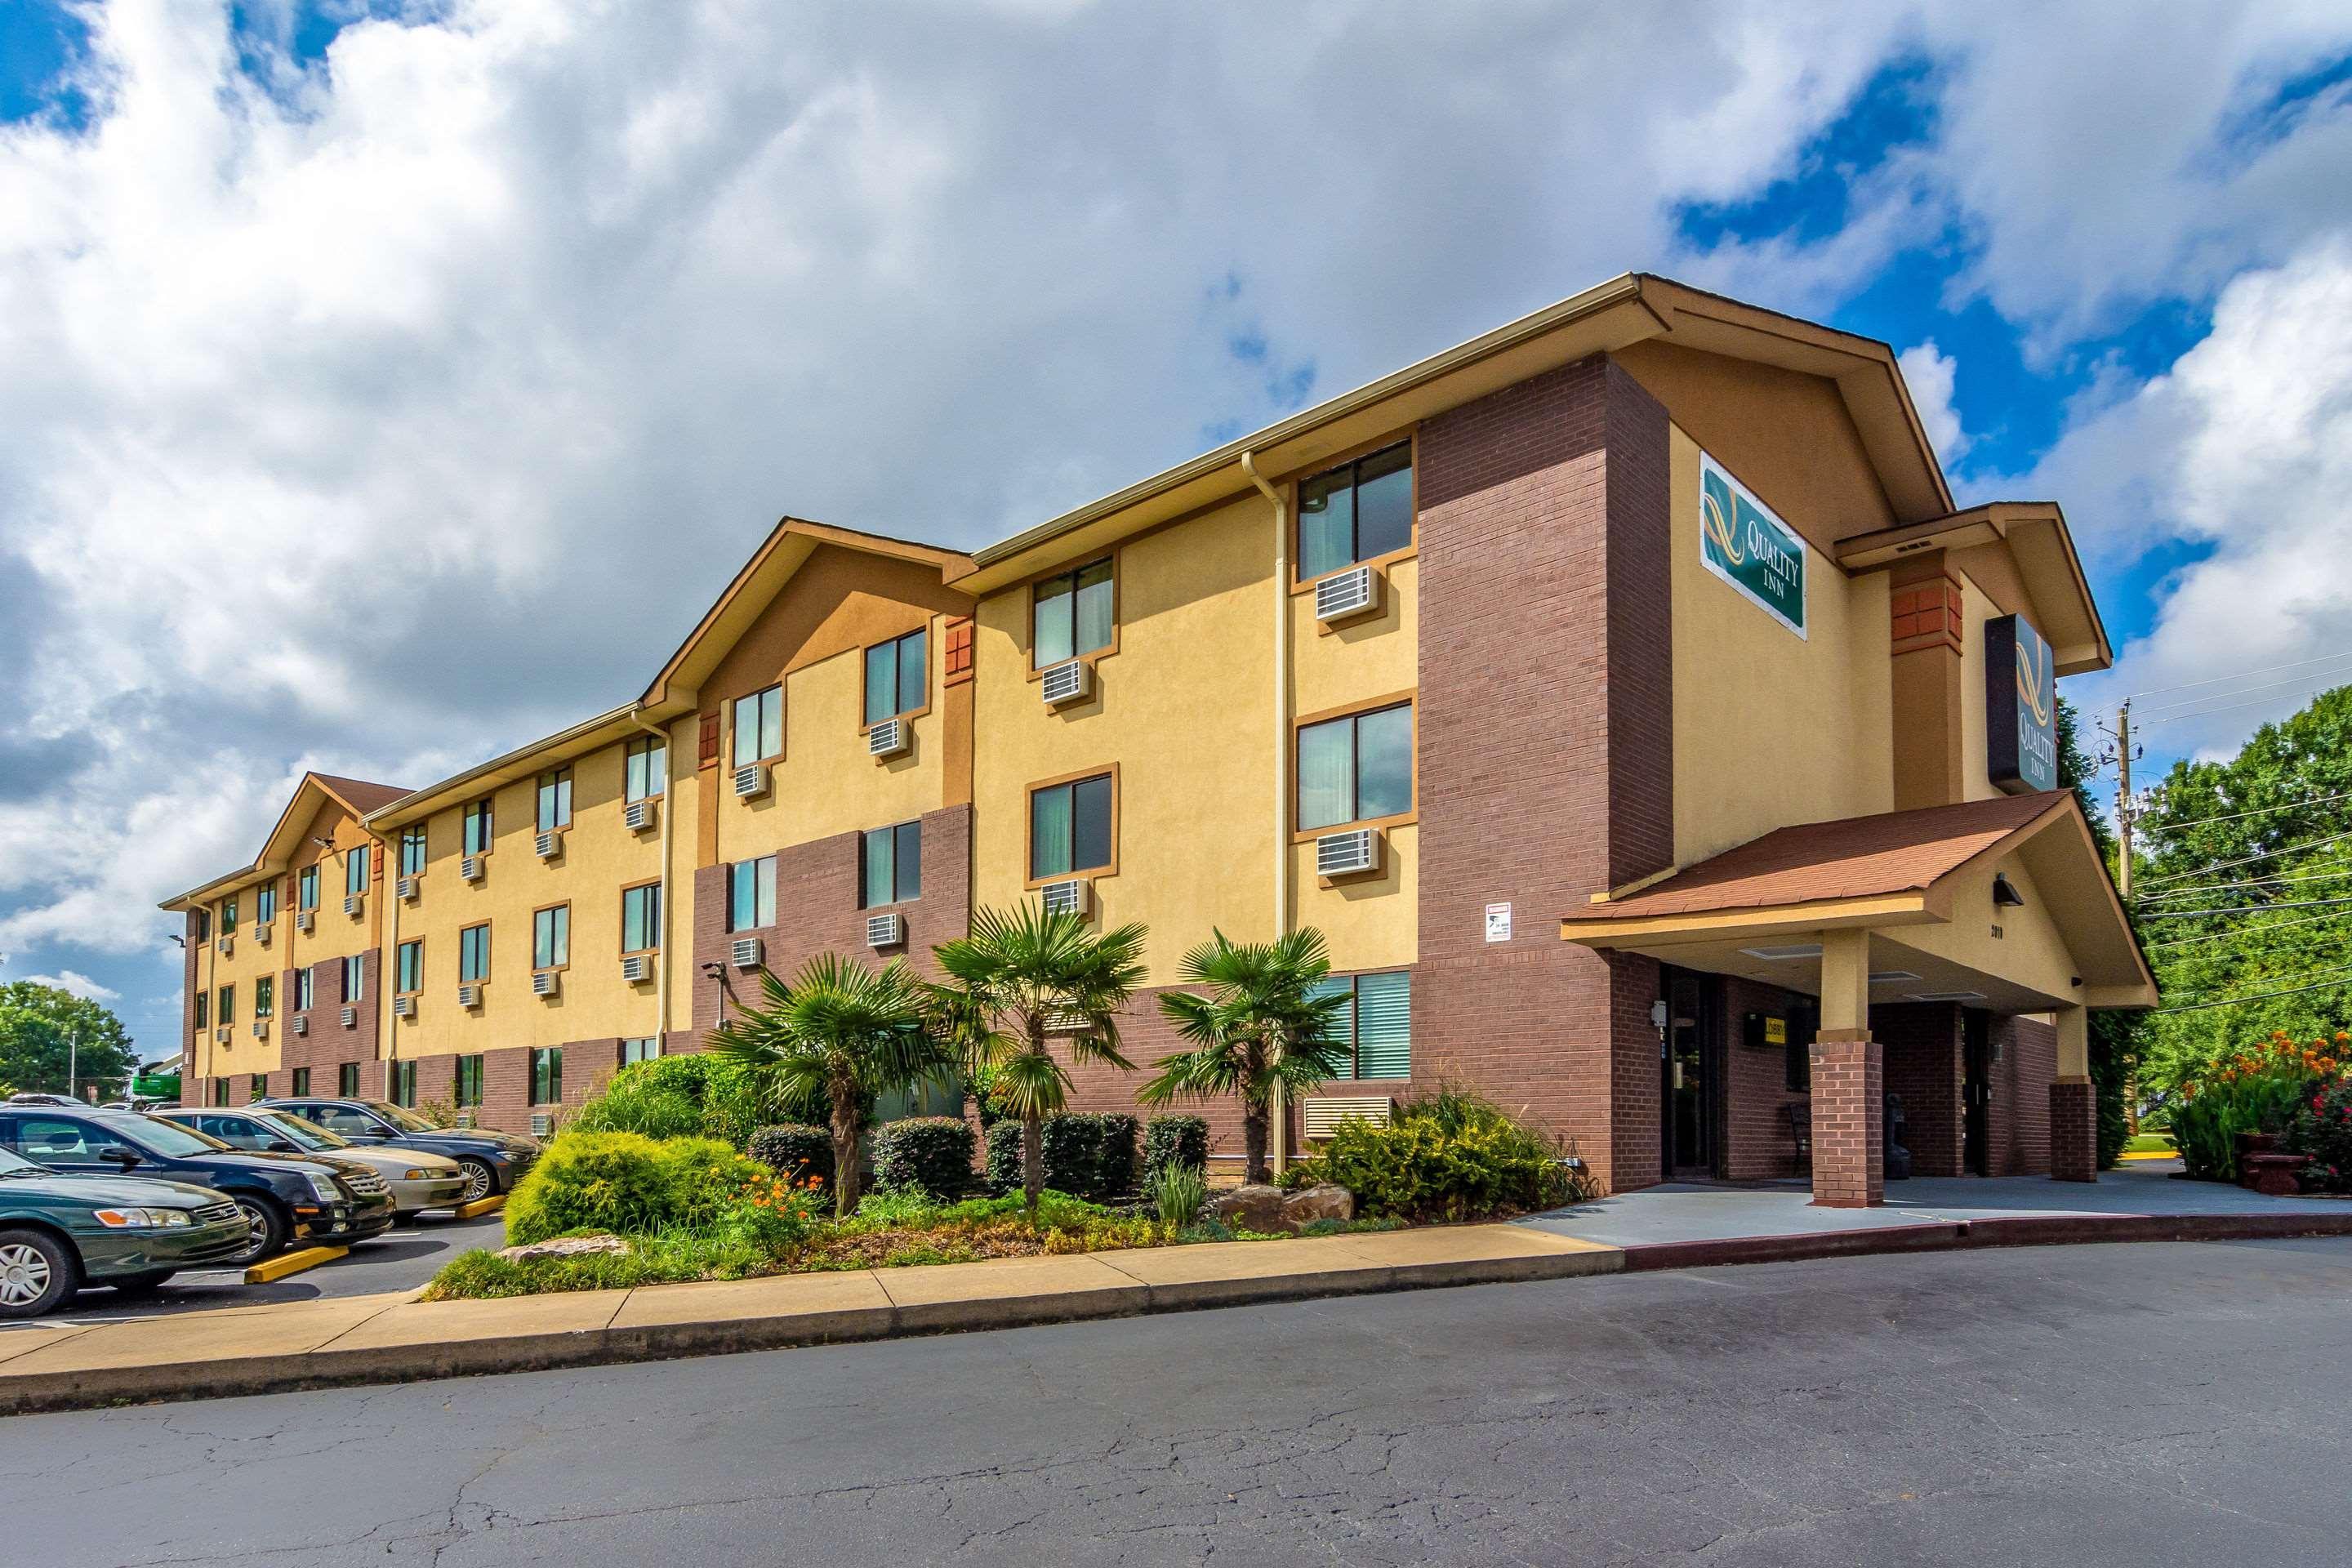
(73, 1060)
(2124, 805)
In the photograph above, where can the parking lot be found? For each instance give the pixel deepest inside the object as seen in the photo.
(399, 1260)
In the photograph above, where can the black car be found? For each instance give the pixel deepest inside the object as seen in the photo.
(494, 1161)
(282, 1195)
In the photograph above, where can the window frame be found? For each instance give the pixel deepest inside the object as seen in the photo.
(1029, 827)
(414, 836)
(400, 965)
(1410, 440)
(264, 996)
(1036, 669)
(306, 987)
(559, 782)
(353, 978)
(458, 1076)
(228, 915)
(563, 926)
(306, 887)
(485, 812)
(399, 1077)
(220, 1094)
(898, 666)
(733, 866)
(547, 1061)
(654, 924)
(299, 1084)
(203, 1009)
(897, 865)
(1352, 713)
(256, 1087)
(355, 871)
(655, 753)
(652, 1051)
(1355, 1006)
(463, 933)
(264, 904)
(225, 1005)
(347, 1080)
(735, 726)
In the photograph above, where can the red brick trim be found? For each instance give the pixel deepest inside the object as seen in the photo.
(1849, 1121)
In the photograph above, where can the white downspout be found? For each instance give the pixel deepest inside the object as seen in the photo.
(661, 974)
(387, 968)
(1282, 697)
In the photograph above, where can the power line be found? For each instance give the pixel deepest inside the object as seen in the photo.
(2260, 996)
(2221, 679)
(2329, 682)
(2250, 860)
(2242, 908)
(2255, 883)
(2244, 931)
(2264, 979)
(2258, 811)
(2250, 690)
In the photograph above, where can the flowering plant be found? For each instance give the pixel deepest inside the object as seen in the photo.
(2266, 1089)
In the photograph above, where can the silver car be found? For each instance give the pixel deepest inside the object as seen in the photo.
(418, 1179)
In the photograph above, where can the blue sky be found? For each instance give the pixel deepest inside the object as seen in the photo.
(334, 323)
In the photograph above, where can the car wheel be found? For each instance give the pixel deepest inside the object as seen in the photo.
(479, 1183)
(267, 1228)
(37, 1273)
(141, 1284)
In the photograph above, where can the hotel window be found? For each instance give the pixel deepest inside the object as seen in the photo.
(258, 1085)
(895, 676)
(225, 1006)
(412, 850)
(265, 903)
(752, 894)
(643, 1050)
(306, 887)
(301, 1085)
(203, 1009)
(408, 968)
(220, 1091)
(759, 726)
(547, 1076)
(403, 1083)
(347, 1080)
(1356, 511)
(228, 916)
(203, 925)
(641, 918)
(480, 829)
(1071, 615)
(1355, 769)
(890, 865)
(473, 953)
(469, 1081)
(305, 987)
(354, 979)
(1376, 1024)
(556, 800)
(551, 938)
(644, 769)
(264, 996)
(1070, 827)
(355, 870)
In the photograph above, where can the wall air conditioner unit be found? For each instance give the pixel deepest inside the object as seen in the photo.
(404, 1006)
(471, 867)
(261, 936)
(886, 930)
(890, 738)
(641, 814)
(542, 1125)
(465, 1118)
(350, 1018)
(225, 946)
(547, 845)
(409, 887)
(221, 1034)
(745, 953)
(1065, 1021)
(1349, 854)
(750, 781)
(1070, 896)
(1073, 680)
(469, 995)
(637, 968)
(1325, 1114)
(354, 904)
(1347, 594)
(305, 919)
(546, 982)
(301, 1023)
(261, 1029)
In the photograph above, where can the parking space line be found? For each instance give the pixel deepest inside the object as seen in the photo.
(295, 1262)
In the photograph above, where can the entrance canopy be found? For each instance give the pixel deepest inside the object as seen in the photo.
(2003, 904)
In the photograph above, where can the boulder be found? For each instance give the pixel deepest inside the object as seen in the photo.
(1254, 1206)
(1309, 1205)
(564, 1246)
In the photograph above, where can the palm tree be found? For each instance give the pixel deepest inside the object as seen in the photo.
(1265, 1020)
(1021, 976)
(843, 1032)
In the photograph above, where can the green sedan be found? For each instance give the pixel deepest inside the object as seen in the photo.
(60, 1233)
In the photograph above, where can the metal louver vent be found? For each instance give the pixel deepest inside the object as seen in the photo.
(305, 919)
(549, 845)
(1071, 682)
(301, 1023)
(751, 779)
(1325, 1114)
(1345, 594)
(1064, 898)
(1347, 854)
(745, 951)
(546, 983)
(890, 738)
(353, 903)
(470, 994)
(886, 930)
(640, 814)
(637, 968)
(350, 1018)
(404, 1006)
(409, 887)
(470, 867)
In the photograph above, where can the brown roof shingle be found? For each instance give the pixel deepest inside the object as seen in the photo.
(1856, 856)
(363, 796)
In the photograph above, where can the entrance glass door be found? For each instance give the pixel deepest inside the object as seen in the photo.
(1976, 1091)
(1689, 1092)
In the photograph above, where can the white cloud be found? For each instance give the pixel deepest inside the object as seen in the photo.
(80, 984)
(1929, 373)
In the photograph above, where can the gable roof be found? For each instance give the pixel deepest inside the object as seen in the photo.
(356, 796)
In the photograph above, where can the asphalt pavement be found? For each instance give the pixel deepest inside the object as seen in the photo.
(2142, 1404)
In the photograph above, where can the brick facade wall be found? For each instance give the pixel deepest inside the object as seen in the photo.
(330, 1043)
(1754, 1087)
(2018, 1122)
(2074, 1129)
(1849, 1122)
(1923, 1062)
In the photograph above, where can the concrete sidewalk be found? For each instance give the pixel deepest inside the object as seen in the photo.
(394, 1338)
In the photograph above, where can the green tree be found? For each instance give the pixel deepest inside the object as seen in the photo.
(43, 1028)
(2116, 1036)
(1017, 980)
(843, 1032)
(1267, 1019)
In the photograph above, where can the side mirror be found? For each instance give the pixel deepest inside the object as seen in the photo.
(123, 1157)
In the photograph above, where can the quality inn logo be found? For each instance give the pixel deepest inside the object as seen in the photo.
(2037, 688)
(2020, 685)
(1742, 541)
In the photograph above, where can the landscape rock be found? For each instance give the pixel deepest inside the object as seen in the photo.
(564, 1246)
(1253, 1206)
(1309, 1205)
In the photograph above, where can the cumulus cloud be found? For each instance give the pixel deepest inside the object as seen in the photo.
(1929, 373)
(80, 984)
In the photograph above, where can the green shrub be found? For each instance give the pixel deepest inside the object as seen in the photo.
(796, 1152)
(700, 1095)
(1451, 1156)
(2263, 1088)
(1090, 1155)
(2323, 1134)
(927, 1153)
(1175, 1141)
(1178, 1192)
(627, 1184)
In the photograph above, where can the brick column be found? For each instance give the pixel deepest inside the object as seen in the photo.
(2073, 1131)
(1849, 1126)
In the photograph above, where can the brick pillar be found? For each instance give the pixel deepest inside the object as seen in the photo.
(1849, 1121)
(2073, 1131)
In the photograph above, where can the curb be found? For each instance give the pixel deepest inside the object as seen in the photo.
(2022, 1230)
(26, 1394)
(291, 1263)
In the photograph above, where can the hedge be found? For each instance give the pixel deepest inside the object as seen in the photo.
(1175, 1141)
(932, 1153)
(1087, 1156)
(624, 1183)
(794, 1151)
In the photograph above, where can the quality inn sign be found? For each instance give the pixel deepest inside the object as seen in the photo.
(1741, 541)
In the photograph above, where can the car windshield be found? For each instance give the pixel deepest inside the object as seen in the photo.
(158, 1136)
(401, 1116)
(18, 1166)
(301, 1131)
